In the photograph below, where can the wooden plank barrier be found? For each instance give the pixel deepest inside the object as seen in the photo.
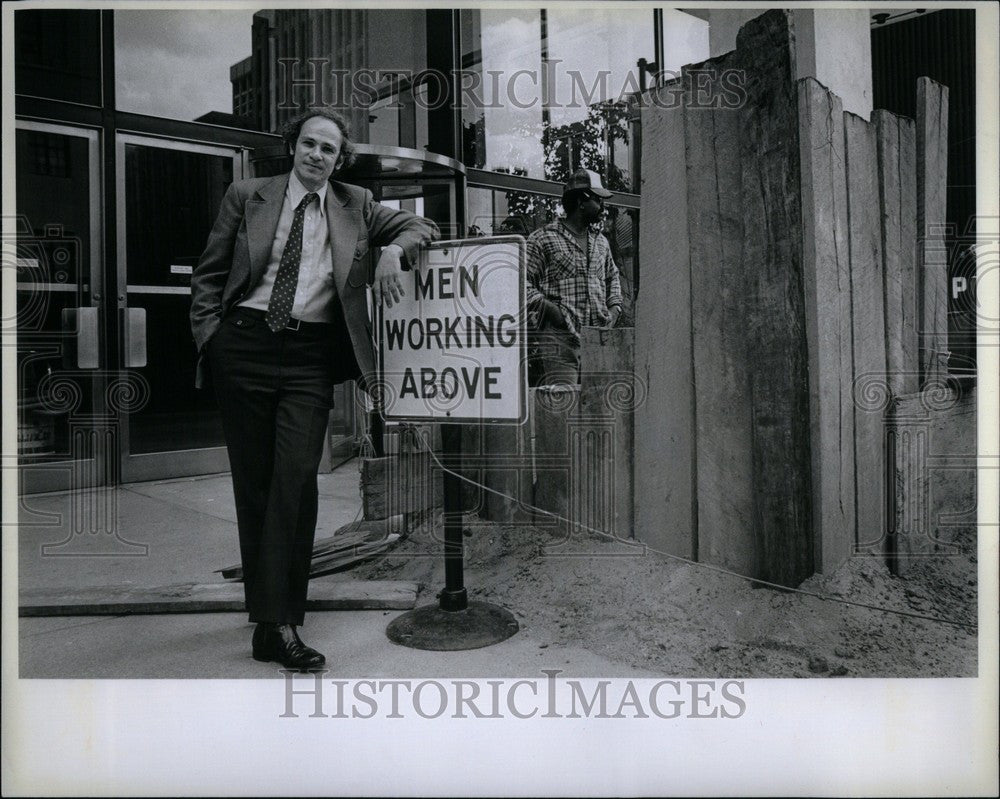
(827, 277)
(776, 313)
(932, 194)
(723, 421)
(665, 499)
(867, 292)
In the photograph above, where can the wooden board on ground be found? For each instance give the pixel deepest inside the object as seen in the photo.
(344, 559)
(356, 540)
(112, 600)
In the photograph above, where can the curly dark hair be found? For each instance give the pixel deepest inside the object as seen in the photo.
(291, 129)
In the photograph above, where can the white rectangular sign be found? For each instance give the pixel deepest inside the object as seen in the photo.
(454, 348)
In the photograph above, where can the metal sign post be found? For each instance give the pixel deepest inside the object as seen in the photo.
(454, 596)
(454, 350)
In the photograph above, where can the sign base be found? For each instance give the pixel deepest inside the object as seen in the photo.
(479, 624)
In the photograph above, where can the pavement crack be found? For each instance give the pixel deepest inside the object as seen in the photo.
(86, 623)
(180, 505)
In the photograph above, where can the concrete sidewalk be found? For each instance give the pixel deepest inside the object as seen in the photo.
(182, 530)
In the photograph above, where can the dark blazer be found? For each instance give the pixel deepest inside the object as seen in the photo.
(239, 247)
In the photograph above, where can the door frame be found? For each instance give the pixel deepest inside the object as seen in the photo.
(174, 463)
(98, 470)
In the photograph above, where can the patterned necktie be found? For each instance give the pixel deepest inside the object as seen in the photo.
(279, 308)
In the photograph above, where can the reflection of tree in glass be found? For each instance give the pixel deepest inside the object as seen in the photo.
(526, 212)
(589, 143)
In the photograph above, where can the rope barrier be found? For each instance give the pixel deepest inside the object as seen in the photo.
(698, 564)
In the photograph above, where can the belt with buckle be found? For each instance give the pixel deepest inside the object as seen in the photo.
(293, 325)
(298, 325)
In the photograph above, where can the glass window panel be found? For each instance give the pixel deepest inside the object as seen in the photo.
(176, 64)
(177, 416)
(497, 213)
(422, 131)
(53, 184)
(501, 56)
(383, 122)
(593, 57)
(548, 91)
(173, 198)
(258, 69)
(593, 54)
(53, 275)
(621, 227)
(400, 119)
(396, 40)
(479, 212)
(57, 54)
(685, 41)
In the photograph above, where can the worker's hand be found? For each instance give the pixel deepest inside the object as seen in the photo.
(615, 311)
(554, 316)
(388, 285)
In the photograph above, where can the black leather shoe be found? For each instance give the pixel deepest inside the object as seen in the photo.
(281, 643)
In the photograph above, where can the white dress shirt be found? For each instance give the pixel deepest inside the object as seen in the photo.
(315, 290)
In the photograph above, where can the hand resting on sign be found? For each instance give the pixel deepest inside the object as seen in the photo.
(388, 285)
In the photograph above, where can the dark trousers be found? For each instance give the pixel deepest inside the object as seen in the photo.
(275, 392)
(554, 358)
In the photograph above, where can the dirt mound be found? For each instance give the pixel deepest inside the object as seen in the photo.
(619, 600)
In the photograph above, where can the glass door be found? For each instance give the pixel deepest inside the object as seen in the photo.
(169, 193)
(62, 426)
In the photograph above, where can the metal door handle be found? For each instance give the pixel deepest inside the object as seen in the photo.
(134, 330)
(80, 336)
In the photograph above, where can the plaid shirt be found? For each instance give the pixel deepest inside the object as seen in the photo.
(583, 284)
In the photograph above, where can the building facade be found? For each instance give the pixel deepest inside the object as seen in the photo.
(130, 124)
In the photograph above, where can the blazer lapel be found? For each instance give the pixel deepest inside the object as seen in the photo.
(262, 213)
(343, 222)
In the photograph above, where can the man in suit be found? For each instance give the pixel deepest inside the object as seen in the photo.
(279, 315)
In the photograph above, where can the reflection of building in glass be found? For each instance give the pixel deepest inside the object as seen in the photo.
(537, 92)
(556, 86)
(54, 55)
(245, 100)
(531, 104)
(301, 58)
